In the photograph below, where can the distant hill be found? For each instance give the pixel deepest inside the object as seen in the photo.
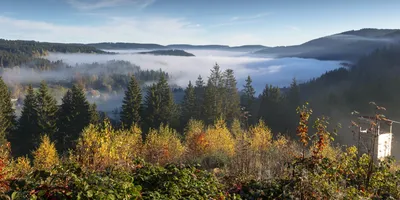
(121, 46)
(349, 45)
(172, 52)
(144, 46)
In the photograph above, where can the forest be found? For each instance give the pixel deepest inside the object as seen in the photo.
(217, 143)
(17, 52)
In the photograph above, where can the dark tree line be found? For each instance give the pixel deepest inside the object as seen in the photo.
(17, 52)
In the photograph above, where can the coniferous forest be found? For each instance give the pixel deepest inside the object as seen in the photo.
(217, 143)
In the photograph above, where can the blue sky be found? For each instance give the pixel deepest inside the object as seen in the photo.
(230, 22)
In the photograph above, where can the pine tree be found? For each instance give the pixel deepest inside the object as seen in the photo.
(47, 111)
(7, 120)
(74, 116)
(94, 114)
(159, 104)
(213, 96)
(294, 94)
(28, 132)
(199, 91)
(248, 100)
(188, 104)
(132, 104)
(231, 98)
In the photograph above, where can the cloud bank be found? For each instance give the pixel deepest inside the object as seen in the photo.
(97, 4)
(279, 72)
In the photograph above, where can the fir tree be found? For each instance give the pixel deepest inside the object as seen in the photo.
(188, 104)
(213, 96)
(74, 116)
(293, 95)
(132, 104)
(199, 91)
(47, 111)
(94, 114)
(159, 104)
(7, 120)
(231, 97)
(28, 132)
(248, 99)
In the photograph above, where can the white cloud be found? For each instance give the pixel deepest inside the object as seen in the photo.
(241, 20)
(97, 4)
(248, 17)
(154, 29)
(293, 28)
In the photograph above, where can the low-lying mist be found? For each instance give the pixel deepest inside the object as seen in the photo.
(279, 72)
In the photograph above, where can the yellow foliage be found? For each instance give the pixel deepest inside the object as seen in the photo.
(102, 147)
(46, 156)
(219, 140)
(236, 128)
(195, 139)
(20, 167)
(163, 146)
(261, 137)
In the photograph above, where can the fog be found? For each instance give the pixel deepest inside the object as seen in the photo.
(263, 70)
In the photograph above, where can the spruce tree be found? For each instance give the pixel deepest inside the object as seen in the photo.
(248, 100)
(231, 98)
(7, 120)
(294, 94)
(132, 104)
(28, 133)
(188, 104)
(199, 91)
(74, 116)
(213, 96)
(47, 111)
(159, 104)
(94, 114)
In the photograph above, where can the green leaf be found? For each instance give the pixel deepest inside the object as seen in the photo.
(14, 195)
(89, 193)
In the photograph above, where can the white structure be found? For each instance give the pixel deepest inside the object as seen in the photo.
(377, 139)
(384, 145)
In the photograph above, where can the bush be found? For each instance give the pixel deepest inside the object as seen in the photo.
(45, 156)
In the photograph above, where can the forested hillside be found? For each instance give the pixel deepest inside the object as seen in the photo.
(218, 143)
(17, 52)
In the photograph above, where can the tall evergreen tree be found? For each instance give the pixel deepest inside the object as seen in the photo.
(47, 111)
(28, 133)
(213, 96)
(248, 100)
(94, 114)
(132, 104)
(159, 104)
(74, 116)
(188, 104)
(231, 97)
(293, 95)
(199, 91)
(7, 120)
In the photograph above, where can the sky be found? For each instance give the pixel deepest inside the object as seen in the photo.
(226, 22)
